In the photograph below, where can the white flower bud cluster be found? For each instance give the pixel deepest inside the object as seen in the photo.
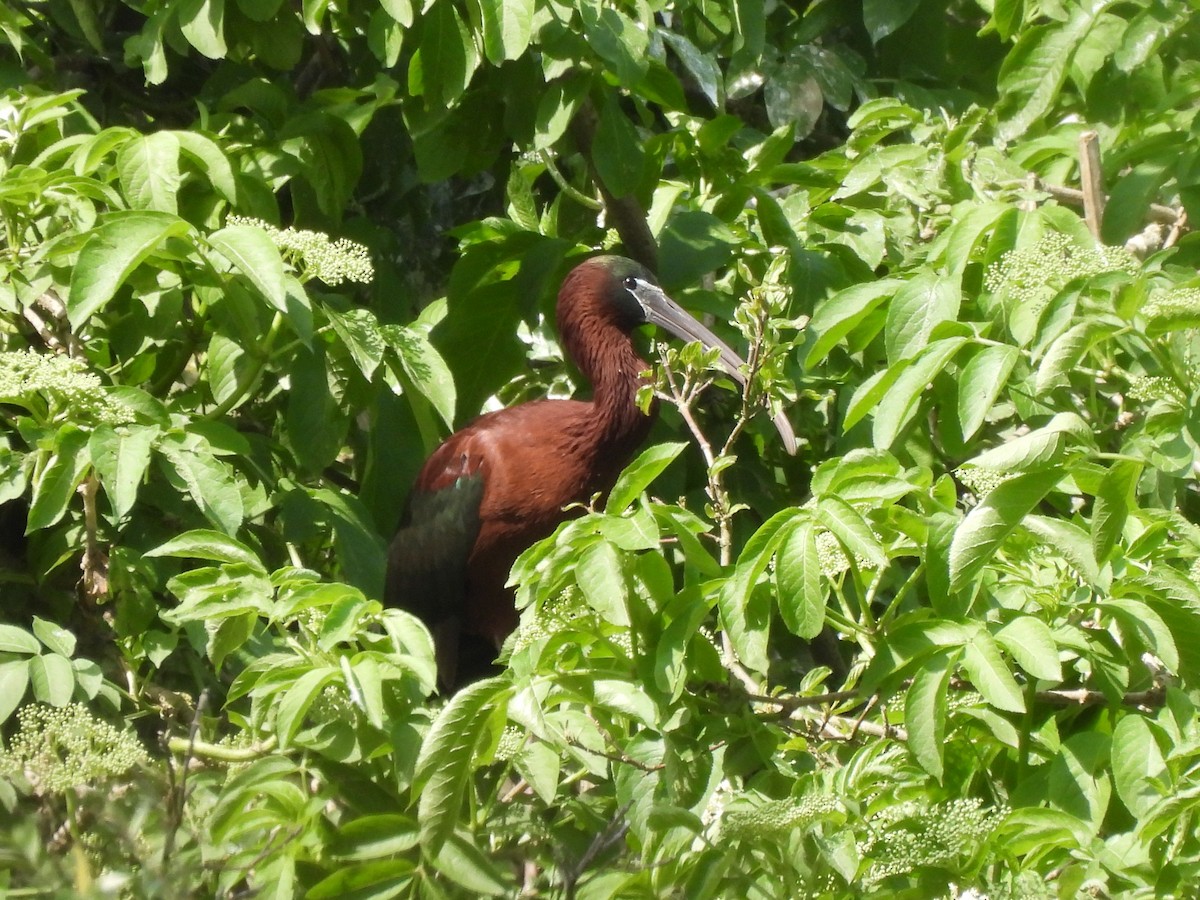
(66, 387)
(831, 556)
(906, 837)
(981, 480)
(512, 740)
(59, 749)
(1175, 305)
(771, 819)
(314, 255)
(1035, 274)
(1149, 388)
(554, 615)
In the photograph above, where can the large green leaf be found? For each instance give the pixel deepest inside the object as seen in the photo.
(118, 246)
(919, 306)
(121, 458)
(507, 28)
(1140, 772)
(1032, 645)
(149, 170)
(900, 402)
(983, 379)
(448, 57)
(989, 674)
(837, 316)
(617, 151)
(638, 475)
(925, 705)
(54, 485)
(447, 758)
(253, 254)
(798, 582)
(984, 529)
(1032, 75)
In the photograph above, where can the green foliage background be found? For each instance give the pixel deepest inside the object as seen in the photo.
(950, 646)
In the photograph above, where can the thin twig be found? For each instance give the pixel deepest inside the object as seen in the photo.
(1156, 212)
(613, 832)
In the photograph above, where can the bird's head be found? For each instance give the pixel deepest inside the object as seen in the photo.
(624, 293)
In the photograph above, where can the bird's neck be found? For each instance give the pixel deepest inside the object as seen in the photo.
(609, 360)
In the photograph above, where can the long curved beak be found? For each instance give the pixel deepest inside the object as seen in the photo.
(662, 310)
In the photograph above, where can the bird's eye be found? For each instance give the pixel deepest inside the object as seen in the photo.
(630, 282)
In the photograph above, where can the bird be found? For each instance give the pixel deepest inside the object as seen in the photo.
(504, 481)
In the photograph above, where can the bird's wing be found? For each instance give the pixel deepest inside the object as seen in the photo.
(427, 559)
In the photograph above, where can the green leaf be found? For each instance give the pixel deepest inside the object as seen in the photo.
(882, 17)
(211, 160)
(227, 635)
(56, 638)
(447, 54)
(798, 582)
(982, 380)
(227, 364)
(745, 613)
(376, 880)
(984, 529)
(316, 426)
(988, 673)
(447, 757)
(1073, 543)
(507, 28)
(617, 40)
(1066, 351)
(207, 480)
(1140, 619)
(329, 153)
(148, 167)
(374, 837)
(1115, 498)
(556, 108)
(925, 705)
(52, 678)
(425, 370)
(1039, 449)
(121, 459)
(14, 681)
(540, 765)
(55, 485)
(840, 314)
(1079, 780)
(203, 24)
(1033, 73)
(253, 254)
(289, 715)
(467, 866)
(638, 475)
(600, 573)
(851, 529)
(617, 151)
(118, 246)
(1140, 772)
(900, 403)
(212, 545)
(400, 10)
(17, 640)
(1032, 645)
(919, 306)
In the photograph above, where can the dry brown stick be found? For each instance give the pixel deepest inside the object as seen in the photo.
(1091, 178)
(1156, 211)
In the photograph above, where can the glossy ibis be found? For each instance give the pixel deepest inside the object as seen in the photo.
(491, 490)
